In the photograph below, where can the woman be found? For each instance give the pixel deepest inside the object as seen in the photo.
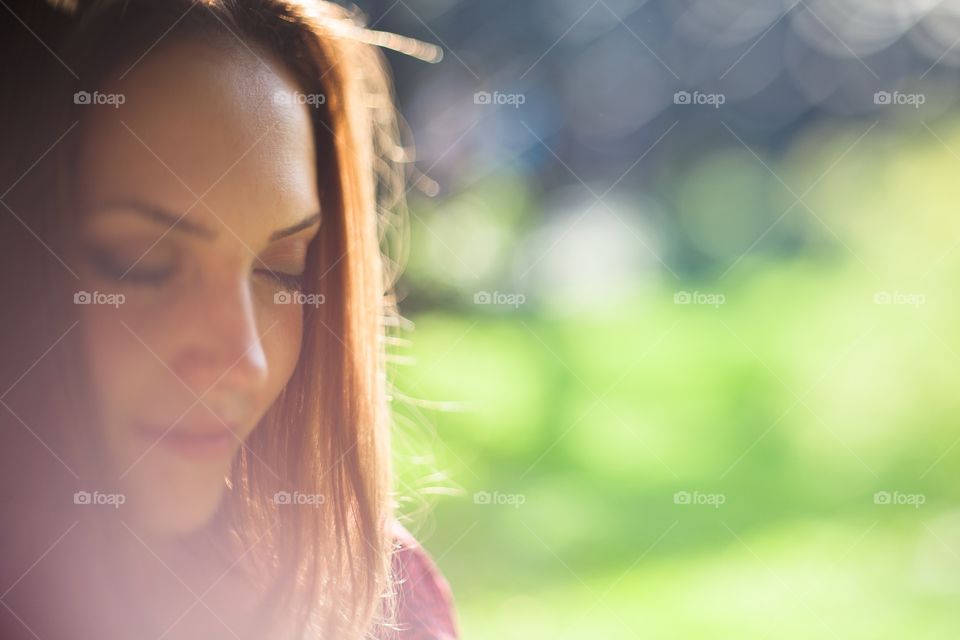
(197, 197)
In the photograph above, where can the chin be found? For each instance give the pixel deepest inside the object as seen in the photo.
(169, 496)
(160, 513)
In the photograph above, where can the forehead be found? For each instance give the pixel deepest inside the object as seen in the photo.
(199, 120)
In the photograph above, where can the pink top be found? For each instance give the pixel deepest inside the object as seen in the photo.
(425, 609)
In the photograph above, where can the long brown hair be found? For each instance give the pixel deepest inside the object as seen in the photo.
(327, 566)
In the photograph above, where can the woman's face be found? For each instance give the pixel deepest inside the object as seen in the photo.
(199, 199)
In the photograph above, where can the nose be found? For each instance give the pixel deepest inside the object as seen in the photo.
(222, 349)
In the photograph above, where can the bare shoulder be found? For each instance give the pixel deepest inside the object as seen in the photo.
(425, 607)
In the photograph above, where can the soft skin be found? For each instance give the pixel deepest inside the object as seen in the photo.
(199, 340)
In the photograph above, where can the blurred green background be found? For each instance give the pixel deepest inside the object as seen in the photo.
(797, 399)
(699, 385)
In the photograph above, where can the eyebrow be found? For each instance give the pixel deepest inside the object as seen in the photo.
(306, 223)
(179, 223)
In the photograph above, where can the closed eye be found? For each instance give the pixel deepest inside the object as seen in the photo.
(289, 281)
(136, 273)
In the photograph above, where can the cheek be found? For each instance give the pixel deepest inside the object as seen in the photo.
(127, 342)
(130, 347)
(166, 494)
(118, 363)
(126, 374)
(282, 345)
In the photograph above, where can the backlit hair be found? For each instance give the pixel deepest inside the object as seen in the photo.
(327, 565)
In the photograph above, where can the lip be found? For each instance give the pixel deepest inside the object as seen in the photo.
(197, 441)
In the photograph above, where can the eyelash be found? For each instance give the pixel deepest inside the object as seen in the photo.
(106, 264)
(289, 281)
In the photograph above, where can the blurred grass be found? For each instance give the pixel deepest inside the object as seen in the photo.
(797, 400)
